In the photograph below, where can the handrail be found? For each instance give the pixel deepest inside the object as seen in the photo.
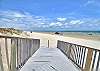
(14, 36)
(15, 51)
(86, 58)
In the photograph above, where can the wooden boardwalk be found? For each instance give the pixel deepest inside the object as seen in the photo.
(27, 54)
(49, 59)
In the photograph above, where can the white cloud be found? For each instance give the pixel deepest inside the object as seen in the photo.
(81, 22)
(4, 19)
(8, 19)
(59, 24)
(75, 22)
(89, 2)
(56, 24)
(61, 19)
(92, 3)
(11, 14)
(52, 24)
(20, 19)
(42, 23)
(39, 19)
(18, 15)
(66, 23)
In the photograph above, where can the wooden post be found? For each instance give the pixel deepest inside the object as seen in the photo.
(7, 57)
(1, 63)
(18, 53)
(38, 44)
(13, 56)
(69, 50)
(88, 60)
(48, 43)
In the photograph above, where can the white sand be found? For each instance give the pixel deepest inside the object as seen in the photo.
(53, 40)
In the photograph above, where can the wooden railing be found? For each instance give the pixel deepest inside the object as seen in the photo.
(85, 58)
(15, 51)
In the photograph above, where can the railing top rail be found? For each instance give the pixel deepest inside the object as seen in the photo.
(84, 57)
(95, 44)
(13, 36)
(80, 45)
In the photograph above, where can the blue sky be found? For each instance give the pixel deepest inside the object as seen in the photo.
(55, 8)
(58, 14)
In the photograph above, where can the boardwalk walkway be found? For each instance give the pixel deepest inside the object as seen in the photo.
(49, 59)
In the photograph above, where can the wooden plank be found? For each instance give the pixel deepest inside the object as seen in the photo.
(49, 59)
(83, 57)
(29, 48)
(9, 50)
(88, 60)
(38, 44)
(19, 53)
(97, 67)
(22, 51)
(32, 47)
(4, 56)
(7, 56)
(1, 63)
(94, 59)
(13, 56)
(48, 43)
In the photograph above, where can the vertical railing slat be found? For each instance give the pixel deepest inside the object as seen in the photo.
(97, 67)
(1, 63)
(94, 59)
(7, 57)
(82, 56)
(15, 51)
(88, 59)
(13, 55)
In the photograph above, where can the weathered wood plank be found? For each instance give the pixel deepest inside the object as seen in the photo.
(19, 53)
(15, 52)
(1, 63)
(4, 55)
(13, 55)
(49, 59)
(7, 56)
(88, 60)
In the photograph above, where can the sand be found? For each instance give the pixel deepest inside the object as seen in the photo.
(82, 35)
(44, 37)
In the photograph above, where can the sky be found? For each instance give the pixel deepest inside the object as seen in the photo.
(50, 14)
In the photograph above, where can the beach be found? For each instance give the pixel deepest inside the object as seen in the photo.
(82, 35)
(50, 40)
(87, 41)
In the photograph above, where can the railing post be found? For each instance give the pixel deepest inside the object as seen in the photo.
(48, 44)
(88, 60)
(69, 52)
